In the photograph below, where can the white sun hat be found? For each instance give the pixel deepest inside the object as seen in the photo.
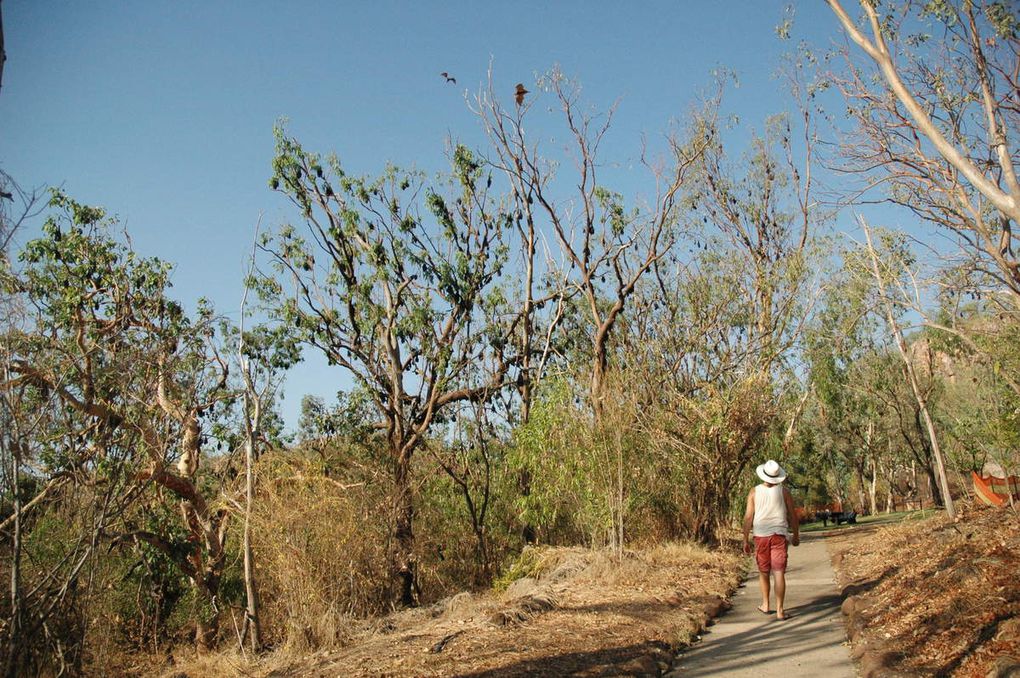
(771, 472)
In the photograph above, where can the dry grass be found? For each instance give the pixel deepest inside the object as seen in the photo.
(320, 548)
(580, 612)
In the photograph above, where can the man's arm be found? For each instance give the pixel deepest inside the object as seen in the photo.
(748, 521)
(791, 516)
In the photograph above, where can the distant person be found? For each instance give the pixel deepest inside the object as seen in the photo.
(772, 520)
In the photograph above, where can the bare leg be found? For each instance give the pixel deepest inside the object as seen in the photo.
(780, 576)
(763, 582)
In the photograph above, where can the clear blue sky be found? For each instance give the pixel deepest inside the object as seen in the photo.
(163, 111)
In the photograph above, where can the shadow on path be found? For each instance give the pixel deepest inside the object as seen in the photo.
(746, 642)
(604, 662)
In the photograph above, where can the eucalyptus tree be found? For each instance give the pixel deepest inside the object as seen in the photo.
(132, 377)
(61, 365)
(761, 212)
(881, 269)
(863, 413)
(606, 246)
(882, 378)
(263, 354)
(936, 119)
(932, 89)
(708, 403)
(398, 281)
(718, 324)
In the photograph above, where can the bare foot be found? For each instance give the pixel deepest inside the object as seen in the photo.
(782, 616)
(764, 609)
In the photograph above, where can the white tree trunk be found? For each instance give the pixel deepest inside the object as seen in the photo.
(901, 345)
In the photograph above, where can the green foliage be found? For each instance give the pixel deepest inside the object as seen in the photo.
(77, 268)
(350, 419)
(1004, 22)
(571, 467)
(526, 564)
(536, 451)
(118, 383)
(377, 272)
(611, 204)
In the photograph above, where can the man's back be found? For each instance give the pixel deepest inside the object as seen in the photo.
(770, 511)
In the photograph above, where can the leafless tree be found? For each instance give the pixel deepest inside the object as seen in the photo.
(606, 248)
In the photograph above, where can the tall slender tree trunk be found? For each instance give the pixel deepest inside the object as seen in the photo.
(11, 660)
(252, 621)
(869, 461)
(913, 483)
(528, 323)
(528, 532)
(600, 363)
(933, 486)
(620, 490)
(861, 492)
(890, 500)
(890, 470)
(943, 481)
(836, 484)
(873, 489)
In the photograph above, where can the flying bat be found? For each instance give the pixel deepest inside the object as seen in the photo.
(519, 94)
(449, 78)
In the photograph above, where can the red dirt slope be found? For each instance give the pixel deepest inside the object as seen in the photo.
(930, 597)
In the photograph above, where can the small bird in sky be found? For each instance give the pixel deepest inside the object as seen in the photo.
(519, 94)
(449, 78)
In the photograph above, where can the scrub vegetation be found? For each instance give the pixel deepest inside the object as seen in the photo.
(559, 389)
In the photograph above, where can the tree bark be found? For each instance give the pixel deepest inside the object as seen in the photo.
(14, 621)
(600, 363)
(861, 489)
(207, 623)
(890, 500)
(873, 489)
(252, 622)
(403, 554)
(912, 376)
(915, 484)
(933, 486)
(836, 485)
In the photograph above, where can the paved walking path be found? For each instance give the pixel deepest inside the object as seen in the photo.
(745, 642)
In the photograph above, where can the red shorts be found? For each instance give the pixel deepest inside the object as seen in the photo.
(770, 553)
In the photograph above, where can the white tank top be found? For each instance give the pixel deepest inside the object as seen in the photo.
(769, 511)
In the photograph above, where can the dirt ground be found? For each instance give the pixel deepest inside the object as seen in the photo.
(930, 597)
(579, 613)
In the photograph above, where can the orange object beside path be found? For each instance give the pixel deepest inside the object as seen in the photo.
(995, 491)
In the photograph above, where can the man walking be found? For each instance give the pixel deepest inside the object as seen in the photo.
(772, 520)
